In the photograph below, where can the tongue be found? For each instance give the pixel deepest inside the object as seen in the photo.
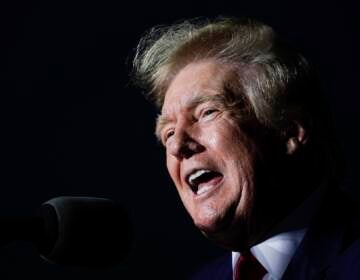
(208, 182)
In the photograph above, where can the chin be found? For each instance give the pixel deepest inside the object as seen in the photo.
(212, 223)
(209, 224)
(225, 231)
(227, 238)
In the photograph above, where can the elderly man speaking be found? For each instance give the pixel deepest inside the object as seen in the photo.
(250, 149)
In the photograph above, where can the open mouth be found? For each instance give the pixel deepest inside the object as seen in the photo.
(203, 180)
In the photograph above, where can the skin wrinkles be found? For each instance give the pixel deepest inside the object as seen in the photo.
(198, 132)
(198, 99)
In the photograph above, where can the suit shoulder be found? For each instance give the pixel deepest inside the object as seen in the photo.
(219, 269)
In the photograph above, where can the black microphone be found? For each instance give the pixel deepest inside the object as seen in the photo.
(86, 232)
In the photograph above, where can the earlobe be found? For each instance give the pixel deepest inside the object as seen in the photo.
(296, 137)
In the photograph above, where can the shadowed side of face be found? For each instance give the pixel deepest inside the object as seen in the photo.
(210, 157)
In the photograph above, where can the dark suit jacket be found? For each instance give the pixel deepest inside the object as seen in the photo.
(330, 249)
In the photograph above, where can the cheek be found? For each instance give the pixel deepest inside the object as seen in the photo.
(223, 129)
(173, 169)
(225, 140)
(170, 166)
(234, 150)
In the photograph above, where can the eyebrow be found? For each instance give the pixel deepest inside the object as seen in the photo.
(162, 121)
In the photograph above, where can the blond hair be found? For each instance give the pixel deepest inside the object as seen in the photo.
(274, 79)
(263, 76)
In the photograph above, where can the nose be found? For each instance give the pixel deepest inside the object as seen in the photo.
(184, 146)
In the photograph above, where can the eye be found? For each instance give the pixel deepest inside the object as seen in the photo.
(168, 135)
(209, 113)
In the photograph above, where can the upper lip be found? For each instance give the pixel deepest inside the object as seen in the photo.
(193, 170)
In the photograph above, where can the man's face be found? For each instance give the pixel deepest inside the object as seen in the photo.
(211, 158)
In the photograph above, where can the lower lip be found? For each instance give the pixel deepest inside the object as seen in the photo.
(210, 187)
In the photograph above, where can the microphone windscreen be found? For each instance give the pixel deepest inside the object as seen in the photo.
(85, 232)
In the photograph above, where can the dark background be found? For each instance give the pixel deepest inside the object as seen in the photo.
(72, 125)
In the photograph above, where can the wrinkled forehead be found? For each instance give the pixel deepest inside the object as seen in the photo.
(194, 84)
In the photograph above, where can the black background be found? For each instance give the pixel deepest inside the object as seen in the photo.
(72, 125)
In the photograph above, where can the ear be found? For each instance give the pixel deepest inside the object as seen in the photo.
(296, 137)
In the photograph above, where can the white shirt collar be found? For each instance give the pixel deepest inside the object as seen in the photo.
(276, 252)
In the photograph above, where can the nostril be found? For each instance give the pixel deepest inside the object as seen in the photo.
(186, 151)
(196, 147)
(181, 145)
(190, 148)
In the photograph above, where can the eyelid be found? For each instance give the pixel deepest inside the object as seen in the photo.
(165, 134)
(209, 107)
(206, 110)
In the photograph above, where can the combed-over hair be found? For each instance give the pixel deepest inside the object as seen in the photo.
(266, 66)
(273, 78)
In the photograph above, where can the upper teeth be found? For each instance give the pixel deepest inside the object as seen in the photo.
(197, 174)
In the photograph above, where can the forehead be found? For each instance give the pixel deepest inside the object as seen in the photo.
(193, 83)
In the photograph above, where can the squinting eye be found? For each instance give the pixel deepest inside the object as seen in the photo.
(168, 134)
(208, 112)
